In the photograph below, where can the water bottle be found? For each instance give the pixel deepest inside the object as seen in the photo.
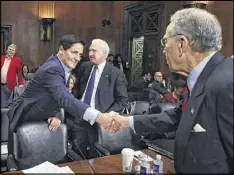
(144, 167)
(158, 165)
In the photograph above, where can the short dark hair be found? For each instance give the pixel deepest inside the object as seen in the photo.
(143, 73)
(110, 55)
(180, 83)
(23, 67)
(67, 40)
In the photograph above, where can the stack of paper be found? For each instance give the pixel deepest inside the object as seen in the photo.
(48, 167)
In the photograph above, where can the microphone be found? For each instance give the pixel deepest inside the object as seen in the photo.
(91, 168)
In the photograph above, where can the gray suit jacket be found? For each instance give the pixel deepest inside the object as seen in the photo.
(44, 95)
(111, 94)
(211, 106)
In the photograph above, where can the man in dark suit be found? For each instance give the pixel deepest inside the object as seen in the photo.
(158, 84)
(109, 93)
(47, 92)
(142, 82)
(204, 131)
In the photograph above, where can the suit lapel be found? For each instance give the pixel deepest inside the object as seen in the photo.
(103, 83)
(193, 106)
(104, 77)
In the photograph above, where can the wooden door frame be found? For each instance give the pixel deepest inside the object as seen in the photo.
(126, 44)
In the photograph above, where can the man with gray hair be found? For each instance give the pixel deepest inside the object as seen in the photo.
(100, 85)
(204, 131)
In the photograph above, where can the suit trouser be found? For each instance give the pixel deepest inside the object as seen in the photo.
(83, 135)
(5, 95)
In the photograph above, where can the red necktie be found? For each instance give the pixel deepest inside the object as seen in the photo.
(185, 98)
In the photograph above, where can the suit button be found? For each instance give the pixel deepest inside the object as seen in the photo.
(194, 160)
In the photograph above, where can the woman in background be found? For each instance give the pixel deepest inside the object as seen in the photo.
(121, 64)
(71, 83)
(25, 71)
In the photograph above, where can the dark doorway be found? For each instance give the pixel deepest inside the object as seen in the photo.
(5, 37)
(141, 37)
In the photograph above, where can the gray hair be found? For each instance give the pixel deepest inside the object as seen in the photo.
(104, 46)
(201, 28)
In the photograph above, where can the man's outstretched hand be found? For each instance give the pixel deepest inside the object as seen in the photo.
(112, 121)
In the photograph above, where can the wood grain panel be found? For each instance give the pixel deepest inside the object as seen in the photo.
(77, 17)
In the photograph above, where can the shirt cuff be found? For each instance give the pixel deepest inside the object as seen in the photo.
(131, 123)
(90, 115)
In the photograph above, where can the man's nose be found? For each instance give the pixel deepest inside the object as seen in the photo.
(78, 58)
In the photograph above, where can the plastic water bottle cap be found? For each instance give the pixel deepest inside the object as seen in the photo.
(158, 157)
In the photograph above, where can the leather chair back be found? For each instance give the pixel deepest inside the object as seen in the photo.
(159, 107)
(115, 142)
(34, 144)
(137, 108)
(134, 96)
(4, 124)
(146, 93)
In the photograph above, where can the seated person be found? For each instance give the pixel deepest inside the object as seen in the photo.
(159, 84)
(175, 96)
(142, 82)
(71, 83)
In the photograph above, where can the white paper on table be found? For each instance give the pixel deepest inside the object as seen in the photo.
(66, 169)
(45, 167)
(4, 149)
(147, 158)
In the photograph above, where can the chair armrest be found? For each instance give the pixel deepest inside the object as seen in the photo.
(11, 164)
(169, 135)
(102, 150)
(73, 155)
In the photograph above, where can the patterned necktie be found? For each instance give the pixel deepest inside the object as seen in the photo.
(185, 98)
(89, 90)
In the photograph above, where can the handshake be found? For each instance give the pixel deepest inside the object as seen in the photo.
(112, 121)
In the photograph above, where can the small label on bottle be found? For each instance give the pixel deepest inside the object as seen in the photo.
(143, 170)
(156, 168)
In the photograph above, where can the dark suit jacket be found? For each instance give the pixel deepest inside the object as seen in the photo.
(211, 106)
(44, 94)
(141, 84)
(111, 94)
(158, 87)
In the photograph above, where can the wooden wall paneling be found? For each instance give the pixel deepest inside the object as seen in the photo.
(78, 16)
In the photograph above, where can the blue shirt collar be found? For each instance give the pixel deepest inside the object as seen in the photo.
(194, 74)
(66, 69)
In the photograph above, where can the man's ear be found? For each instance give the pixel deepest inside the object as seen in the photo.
(61, 49)
(183, 44)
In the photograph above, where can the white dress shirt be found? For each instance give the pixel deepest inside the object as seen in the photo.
(98, 74)
(90, 114)
(4, 69)
(191, 81)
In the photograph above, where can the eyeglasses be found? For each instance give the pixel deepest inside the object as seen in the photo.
(164, 40)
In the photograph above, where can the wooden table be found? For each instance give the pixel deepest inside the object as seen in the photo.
(110, 164)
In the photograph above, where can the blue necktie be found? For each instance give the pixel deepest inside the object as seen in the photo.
(89, 90)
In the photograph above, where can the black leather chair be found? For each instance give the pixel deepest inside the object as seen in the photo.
(165, 141)
(113, 143)
(137, 108)
(109, 143)
(34, 143)
(4, 138)
(135, 96)
(159, 107)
